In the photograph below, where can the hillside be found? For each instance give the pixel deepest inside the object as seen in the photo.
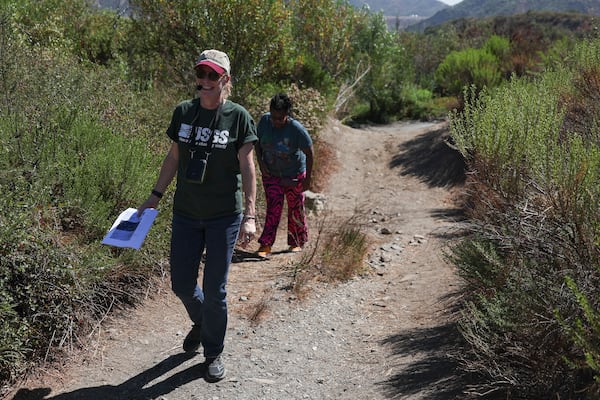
(536, 28)
(486, 8)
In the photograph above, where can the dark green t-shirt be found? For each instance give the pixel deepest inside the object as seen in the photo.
(221, 192)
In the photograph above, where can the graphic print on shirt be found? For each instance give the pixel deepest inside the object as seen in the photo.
(278, 152)
(220, 138)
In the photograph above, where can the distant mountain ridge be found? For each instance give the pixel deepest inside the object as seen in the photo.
(402, 8)
(488, 8)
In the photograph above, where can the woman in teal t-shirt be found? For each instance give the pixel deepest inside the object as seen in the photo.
(285, 156)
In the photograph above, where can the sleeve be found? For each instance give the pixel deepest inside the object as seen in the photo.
(304, 137)
(173, 129)
(262, 125)
(247, 126)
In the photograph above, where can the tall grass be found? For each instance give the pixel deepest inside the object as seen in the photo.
(532, 196)
(338, 255)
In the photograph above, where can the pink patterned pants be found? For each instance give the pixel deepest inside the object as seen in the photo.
(275, 193)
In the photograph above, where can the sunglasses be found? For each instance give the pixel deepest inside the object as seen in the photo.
(212, 75)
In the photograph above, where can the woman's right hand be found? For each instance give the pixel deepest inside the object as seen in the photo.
(151, 202)
(247, 231)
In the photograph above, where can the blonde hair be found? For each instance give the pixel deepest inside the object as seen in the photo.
(226, 92)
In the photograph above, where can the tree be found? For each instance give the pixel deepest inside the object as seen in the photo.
(389, 69)
(168, 36)
(324, 33)
(473, 67)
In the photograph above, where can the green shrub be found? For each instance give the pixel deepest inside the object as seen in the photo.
(473, 67)
(36, 279)
(578, 201)
(89, 152)
(419, 104)
(74, 152)
(584, 331)
(508, 130)
(532, 198)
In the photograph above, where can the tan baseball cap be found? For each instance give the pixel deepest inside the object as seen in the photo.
(214, 59)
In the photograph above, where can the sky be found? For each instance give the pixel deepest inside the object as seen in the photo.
(450, 2)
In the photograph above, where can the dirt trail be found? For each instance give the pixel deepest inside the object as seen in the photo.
(381, 336)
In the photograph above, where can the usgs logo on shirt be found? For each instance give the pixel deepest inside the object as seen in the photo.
(220, 138)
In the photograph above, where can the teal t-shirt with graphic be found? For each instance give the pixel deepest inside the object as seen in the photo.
(282, 147)
(220, 194)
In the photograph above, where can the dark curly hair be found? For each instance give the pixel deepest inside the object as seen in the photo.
(281, 102)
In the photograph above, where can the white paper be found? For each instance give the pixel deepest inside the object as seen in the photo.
(129, 230)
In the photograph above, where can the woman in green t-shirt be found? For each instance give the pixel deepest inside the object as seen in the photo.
(212, 156)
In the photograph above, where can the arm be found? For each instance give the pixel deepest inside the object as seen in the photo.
(248, 228)
(166, 175)
(309, 166)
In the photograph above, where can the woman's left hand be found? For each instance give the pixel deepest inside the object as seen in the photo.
(306, 183)
(247, 232)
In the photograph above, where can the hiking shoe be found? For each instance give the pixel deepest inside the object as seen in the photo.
(193, 339)
(295, 249)
(264, 251)
(215, 369)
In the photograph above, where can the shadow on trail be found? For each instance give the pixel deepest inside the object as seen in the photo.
(133, 388)
(240, 255)
(430, 158)
(433, 369)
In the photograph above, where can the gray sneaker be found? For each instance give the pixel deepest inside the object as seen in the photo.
(215, 369)
(193, 339)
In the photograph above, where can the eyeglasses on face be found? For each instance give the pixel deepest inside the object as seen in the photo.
(212, 75)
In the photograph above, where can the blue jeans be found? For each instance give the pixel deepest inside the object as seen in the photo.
(206, 306)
